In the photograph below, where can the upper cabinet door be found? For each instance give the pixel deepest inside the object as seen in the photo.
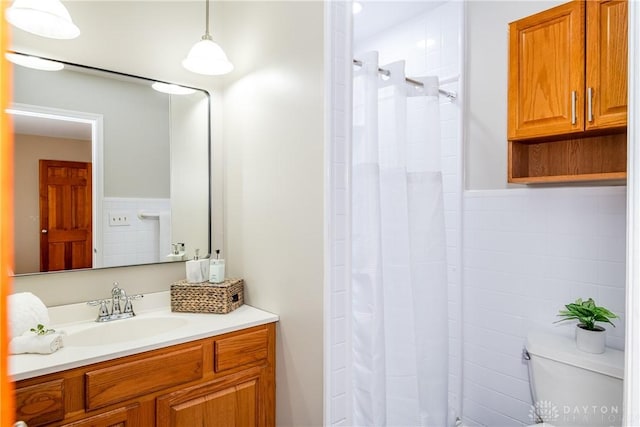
(546, 73)
(607, 39)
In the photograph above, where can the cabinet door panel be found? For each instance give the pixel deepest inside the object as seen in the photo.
(41, 403)
(211, 405)
(607, 40)
(546, 73)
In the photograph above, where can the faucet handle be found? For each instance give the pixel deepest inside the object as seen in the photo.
(128, 306)
(103, 312)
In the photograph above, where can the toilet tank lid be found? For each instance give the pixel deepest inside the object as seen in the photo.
(563, 349)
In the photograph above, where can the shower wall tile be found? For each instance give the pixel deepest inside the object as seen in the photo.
(526, 253)
(337, 317)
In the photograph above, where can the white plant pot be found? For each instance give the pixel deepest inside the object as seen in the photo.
(591, 341)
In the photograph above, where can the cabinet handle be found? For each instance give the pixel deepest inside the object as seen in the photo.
(574, 96)
(590, 104)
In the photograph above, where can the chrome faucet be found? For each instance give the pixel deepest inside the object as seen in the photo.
(117, 294)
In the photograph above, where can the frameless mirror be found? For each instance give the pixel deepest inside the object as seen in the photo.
(108, 171)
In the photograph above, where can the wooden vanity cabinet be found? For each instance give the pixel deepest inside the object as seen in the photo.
(226, 380)
(567, 97)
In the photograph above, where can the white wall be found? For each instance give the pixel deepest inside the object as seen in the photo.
(486, 70)
(527, 253)
(136, 122)
(274, 169)
(267, 156)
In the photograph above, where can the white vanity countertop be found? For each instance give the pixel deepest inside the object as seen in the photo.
(74, 318)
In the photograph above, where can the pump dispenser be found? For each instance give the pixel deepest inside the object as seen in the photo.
(197, 269)
(216, 269)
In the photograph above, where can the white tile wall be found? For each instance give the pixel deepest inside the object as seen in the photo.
(136, 243)
(338, 159)
(527, 252)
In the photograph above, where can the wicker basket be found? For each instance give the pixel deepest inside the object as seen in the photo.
(207, 297)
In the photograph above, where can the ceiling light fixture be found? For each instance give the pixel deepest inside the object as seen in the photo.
(172, 89)
(356, 7)
(45, 18)
(206, 56)
(34, 62)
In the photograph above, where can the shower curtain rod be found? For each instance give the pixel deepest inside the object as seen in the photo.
(449, 94)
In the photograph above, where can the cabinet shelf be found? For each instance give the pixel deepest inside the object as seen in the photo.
(615, 177)
(593, 158)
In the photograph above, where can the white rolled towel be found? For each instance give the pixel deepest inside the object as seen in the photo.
(25, 311)
(33, 343)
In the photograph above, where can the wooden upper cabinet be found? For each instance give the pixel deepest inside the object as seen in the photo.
(607, 39)
(546, 72)
(568, 70)
(567, 95)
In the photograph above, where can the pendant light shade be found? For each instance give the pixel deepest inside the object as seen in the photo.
(206, 56)
(46, 18)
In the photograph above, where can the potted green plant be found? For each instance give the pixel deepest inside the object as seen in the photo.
(589, 336)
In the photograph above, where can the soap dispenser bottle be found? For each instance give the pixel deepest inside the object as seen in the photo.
(216, 269)
(197, 269)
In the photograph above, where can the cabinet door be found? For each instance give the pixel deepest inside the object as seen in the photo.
(607, 38)
(211, 406)
(546, 73)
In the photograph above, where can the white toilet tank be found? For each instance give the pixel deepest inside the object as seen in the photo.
(574, 388)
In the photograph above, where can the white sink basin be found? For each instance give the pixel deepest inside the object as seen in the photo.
(123, 330)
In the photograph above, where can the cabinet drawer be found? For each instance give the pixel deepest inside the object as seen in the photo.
(128, 380)
(41, 403)
(119, 417)
(240, 350)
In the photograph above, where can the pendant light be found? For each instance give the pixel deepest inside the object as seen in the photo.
(46, 18)
(206, 56)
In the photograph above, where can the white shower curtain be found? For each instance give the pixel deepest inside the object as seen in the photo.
(399, 286)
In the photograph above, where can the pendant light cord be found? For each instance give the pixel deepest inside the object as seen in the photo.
(207, 35)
